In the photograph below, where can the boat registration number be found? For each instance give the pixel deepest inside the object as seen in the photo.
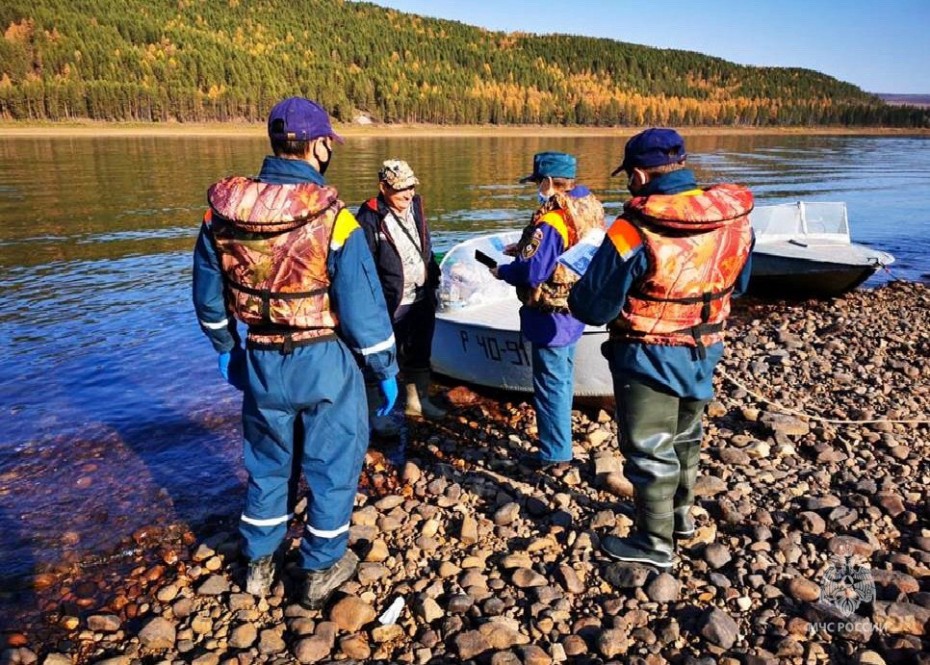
(507, 350)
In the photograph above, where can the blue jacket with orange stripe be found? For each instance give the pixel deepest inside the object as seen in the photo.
(600, 294)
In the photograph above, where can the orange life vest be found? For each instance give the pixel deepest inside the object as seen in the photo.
(696, 246)
(572, 218)
(273, 241)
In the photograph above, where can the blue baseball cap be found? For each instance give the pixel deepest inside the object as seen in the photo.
(552, 165)
(654, 147)
(299, 119)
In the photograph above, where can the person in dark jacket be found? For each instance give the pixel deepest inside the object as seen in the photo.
(282, 254)
(399, 240)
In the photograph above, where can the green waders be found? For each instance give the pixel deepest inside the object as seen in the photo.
(660, 438)
(688, 450)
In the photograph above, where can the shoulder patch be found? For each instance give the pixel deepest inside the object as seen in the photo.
(343, 227)
(532, 246)
(625, 237)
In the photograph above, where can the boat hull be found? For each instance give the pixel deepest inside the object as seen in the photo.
(778, 276)
(804, 250)
(483, 346)
(790, 270)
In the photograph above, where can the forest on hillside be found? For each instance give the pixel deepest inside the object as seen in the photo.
(223, 60)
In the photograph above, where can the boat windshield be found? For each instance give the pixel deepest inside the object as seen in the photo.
(465, 282)
(817, 220)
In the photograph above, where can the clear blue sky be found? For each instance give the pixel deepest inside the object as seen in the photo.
(878, 45)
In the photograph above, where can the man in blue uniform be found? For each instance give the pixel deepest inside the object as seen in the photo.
(283, 255)
(566, 213)
(662, 281)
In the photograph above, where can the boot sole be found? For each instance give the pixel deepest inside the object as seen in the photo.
(635, 559)
(423, 416)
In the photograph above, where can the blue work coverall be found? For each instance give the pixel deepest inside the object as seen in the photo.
(309, 402)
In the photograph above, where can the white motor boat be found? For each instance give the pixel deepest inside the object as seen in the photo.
(802, 249)
(477, 337)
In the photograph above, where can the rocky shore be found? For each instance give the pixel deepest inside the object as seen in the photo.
(813, 539)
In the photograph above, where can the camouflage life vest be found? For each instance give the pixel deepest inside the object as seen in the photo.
(572, 217)
(697, 246)
(273, 242)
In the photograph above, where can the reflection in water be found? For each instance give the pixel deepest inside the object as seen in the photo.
(114, 415)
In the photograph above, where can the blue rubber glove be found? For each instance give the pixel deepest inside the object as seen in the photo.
(222, 361)
(388, 388)
(232, 366)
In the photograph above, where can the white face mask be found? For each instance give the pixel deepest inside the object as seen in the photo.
(540, 197)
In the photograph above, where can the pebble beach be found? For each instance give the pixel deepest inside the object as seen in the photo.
(815, 461)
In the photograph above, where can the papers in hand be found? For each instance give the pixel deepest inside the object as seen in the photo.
(578, 258)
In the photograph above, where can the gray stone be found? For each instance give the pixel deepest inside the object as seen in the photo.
(663, 589)
(717, 555)
(719, 628)
(213, 586)
(270, 642)
(627, 575)
(104, 623)
(312, 649)
(243, 636)
(471, 643)
(613, 642)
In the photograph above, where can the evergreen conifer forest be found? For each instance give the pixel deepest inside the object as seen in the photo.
(230, 60)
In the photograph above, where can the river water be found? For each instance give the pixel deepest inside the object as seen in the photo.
(113, 414)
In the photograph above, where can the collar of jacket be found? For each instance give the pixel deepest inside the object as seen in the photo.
(675, 182)
(281, 171)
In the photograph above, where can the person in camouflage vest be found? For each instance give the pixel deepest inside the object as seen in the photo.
(662, 282)
(567, 211)
(281, 254)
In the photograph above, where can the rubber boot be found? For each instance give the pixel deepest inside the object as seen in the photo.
(648, 424)
(384, 426)
(419, 404)
(651, 543)
(260, 576)
(688, 455)
(688, 449)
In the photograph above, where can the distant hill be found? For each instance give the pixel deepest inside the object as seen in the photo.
(200, 60)
(920, 101)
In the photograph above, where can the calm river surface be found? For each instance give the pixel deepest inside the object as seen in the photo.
(113, 414)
